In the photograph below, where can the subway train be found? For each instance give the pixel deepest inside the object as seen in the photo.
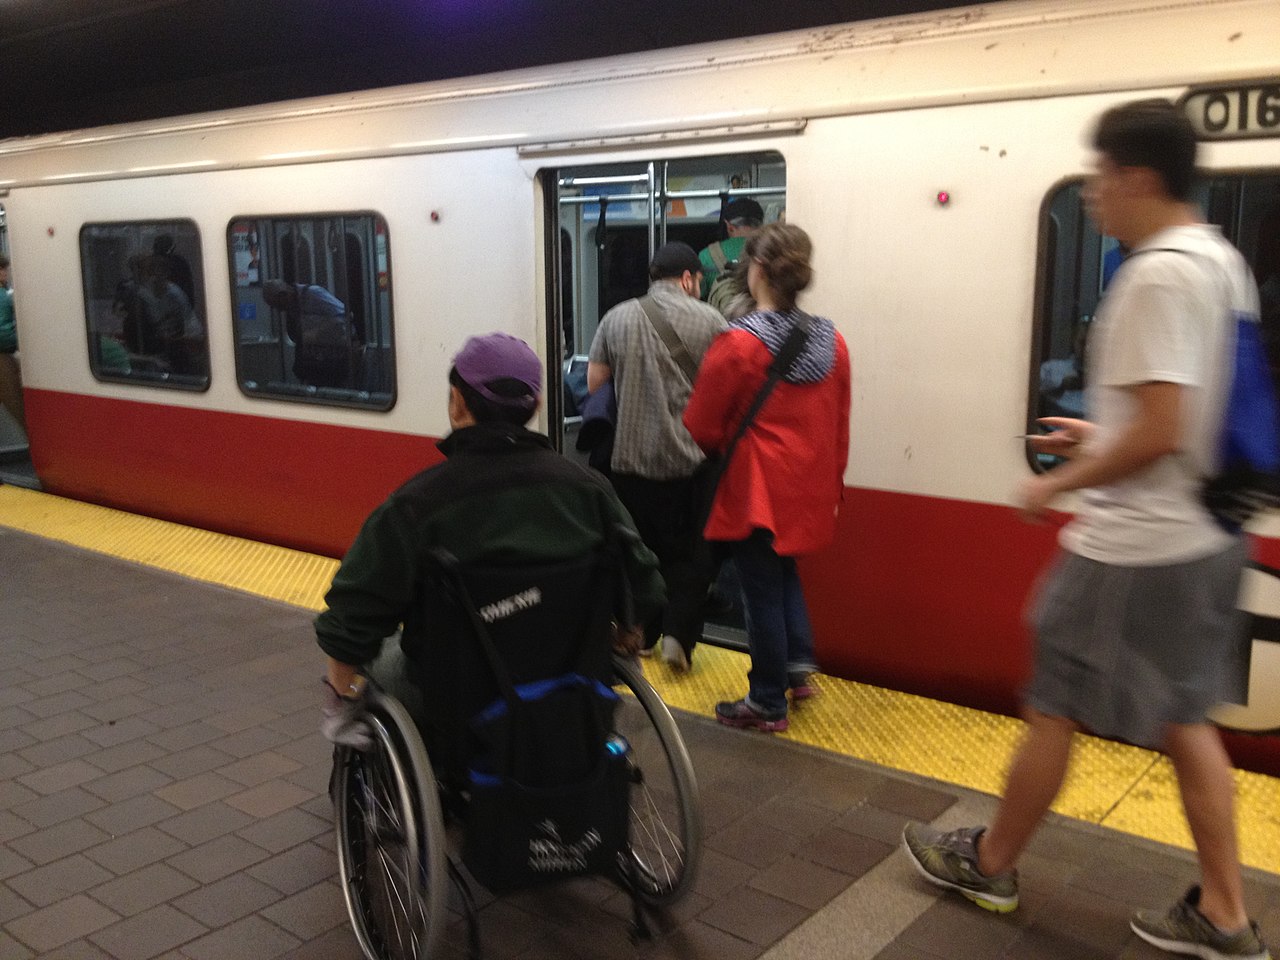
(937, 161)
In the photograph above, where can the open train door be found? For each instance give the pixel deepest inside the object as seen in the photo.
(604, 222)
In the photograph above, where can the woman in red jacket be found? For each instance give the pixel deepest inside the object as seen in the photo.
(784, 481)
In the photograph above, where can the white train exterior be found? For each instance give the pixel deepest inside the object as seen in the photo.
(872, 121)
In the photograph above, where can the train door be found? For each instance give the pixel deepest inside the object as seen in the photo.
(604, 223)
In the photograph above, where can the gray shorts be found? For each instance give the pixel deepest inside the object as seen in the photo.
(1124, 651)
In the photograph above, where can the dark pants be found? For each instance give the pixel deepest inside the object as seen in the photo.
(667, 514)
(778, 630)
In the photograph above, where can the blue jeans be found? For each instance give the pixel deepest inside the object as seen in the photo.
(778, 631)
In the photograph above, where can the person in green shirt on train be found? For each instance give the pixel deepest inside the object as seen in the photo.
(741, 217)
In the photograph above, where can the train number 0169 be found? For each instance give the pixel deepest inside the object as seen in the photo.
(1234, 112)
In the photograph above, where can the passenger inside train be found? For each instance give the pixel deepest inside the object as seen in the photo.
(326, 347)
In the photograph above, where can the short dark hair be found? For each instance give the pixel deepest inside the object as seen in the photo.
(4, 262)
(485, 410)
(1154, 134)
(673, 260)
(743, 211)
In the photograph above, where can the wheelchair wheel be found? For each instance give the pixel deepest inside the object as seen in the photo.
(666, 820)
(391, 841)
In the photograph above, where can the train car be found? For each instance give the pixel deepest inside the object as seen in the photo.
(936, 160)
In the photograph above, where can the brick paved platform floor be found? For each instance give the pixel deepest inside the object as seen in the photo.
(162, 794)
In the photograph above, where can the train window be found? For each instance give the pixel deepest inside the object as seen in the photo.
(311, 297)
(144, 303)
(1077, 263)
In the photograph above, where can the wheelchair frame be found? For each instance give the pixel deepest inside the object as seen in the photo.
(392, 846)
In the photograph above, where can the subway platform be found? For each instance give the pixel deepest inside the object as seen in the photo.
(163, 789)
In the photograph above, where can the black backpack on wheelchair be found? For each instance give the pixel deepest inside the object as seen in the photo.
(549, 771)
(540, 776)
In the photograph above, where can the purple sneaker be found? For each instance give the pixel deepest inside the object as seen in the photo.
(802, 687)
(738, 713)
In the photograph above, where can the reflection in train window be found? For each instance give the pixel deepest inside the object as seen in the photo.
(311, 300)
(1077, 263)
(144, 303)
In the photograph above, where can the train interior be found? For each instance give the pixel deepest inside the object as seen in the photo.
(608, 221)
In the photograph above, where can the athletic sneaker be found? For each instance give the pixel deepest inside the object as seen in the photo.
(673, 654)
(1184, 929)
(739, 713)
(951, 860)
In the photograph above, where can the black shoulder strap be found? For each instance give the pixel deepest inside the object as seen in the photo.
(779, 368)
(452, 571)
(675, 346)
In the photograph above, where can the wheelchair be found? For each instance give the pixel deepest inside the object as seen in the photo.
(392, 805)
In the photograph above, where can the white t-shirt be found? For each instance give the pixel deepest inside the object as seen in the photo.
(1169, 317)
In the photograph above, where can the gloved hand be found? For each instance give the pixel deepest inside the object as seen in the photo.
(343, 721)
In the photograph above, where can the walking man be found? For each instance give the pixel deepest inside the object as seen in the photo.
(1137, 633)
(651, 348)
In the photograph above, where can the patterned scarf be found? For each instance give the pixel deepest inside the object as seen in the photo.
(772, 329)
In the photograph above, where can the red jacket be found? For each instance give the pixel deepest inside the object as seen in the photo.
(787, 471)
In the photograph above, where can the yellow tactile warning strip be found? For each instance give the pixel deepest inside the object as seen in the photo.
(275, 572)
(1113, 784)
(1118, 786)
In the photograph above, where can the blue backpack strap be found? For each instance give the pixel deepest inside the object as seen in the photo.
(1248, 477)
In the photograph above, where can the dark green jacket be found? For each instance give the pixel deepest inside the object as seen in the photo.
(503, 495)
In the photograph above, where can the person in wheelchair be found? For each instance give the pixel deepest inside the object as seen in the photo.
(515, 575)
(503, 496)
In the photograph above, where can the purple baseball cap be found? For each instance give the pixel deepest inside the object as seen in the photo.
(497, 356)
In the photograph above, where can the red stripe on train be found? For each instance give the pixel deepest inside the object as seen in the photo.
(920, 594)
(303, 485)
(926, 594)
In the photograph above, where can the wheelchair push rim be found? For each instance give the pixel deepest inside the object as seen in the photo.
(391, 842)
(665, 826)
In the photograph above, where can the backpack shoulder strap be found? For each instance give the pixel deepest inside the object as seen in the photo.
(675, 346)
(716, 253)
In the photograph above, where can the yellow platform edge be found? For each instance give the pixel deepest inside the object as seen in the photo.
(1118, 786)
